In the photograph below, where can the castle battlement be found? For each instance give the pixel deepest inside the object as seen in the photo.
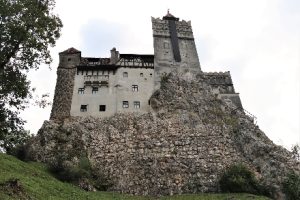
(217, 73)
(160, 28)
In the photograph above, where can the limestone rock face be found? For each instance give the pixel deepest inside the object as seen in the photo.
(182, 146)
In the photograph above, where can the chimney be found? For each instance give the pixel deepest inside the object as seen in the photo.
(114, 56)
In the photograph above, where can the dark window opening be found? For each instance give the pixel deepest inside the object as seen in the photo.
(94, 90)
(141, 75)
(151, 75)
(80, 90)
(135, 88)
(102, 108)
(125, 104)
(69, 59)
(136, 104)
(125, 74)
(83, 108)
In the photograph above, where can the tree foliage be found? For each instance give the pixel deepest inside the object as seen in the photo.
(27, 29)
(296, 151)
(291, 186)
(238, 178)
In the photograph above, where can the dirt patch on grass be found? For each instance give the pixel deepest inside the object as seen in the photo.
(14, 188)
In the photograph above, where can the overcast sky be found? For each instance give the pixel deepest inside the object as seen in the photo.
(258, 41)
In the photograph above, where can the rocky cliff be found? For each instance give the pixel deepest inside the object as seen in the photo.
(182, 146)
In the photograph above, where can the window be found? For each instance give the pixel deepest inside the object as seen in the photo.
(125, 104)
(151, 75)
(166, 45)
(69, 59)
(135, 88)
(141, 75)
(94, 90)
(125, 74)
(136, 104)
(102, 108)
(83, 108)
(80, 90)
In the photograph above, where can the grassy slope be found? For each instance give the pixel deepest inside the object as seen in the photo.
(37, 183)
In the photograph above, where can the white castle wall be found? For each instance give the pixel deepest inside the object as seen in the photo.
(119, 89)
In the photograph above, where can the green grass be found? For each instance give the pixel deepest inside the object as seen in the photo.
(37, 183)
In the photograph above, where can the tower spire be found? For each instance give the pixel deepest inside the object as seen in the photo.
(169, 16)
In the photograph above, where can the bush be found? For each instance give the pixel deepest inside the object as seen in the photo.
(291, 186)
(67, 171)
(79, 174)
(296, 152)
(100, 181)
(238, 179)
(20, 150)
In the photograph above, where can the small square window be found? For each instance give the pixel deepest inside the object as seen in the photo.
(135, 88)
(80, 90)
(151, 75)
(125, 104)
(141, 75)
(166, 45)
(83, 108)
(94, 90)
(125, 74)
(102, 108)
(136, 104)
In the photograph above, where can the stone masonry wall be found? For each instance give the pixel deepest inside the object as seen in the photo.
(222, 85)
(63, 93)
(182, 146)
(164, 61)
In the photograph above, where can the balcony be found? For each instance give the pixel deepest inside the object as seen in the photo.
(96, 77)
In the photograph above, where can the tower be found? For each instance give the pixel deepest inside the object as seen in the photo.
(174, 46)
(68, 61)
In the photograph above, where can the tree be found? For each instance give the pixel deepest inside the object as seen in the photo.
(237, 179)
(27, 29)
(296, 151)
(291, 186)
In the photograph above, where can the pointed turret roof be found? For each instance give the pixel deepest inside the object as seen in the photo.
(71, 50)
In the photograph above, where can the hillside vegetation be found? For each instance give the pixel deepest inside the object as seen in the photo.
(21, 180)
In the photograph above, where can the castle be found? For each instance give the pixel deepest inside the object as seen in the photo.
(101, 87)
(173, 128)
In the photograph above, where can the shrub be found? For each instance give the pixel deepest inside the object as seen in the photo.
(67, 171)
(291, 186)
(296, 152)
(100, 181)
(238, 179)
(20, 150)
(79, 174)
